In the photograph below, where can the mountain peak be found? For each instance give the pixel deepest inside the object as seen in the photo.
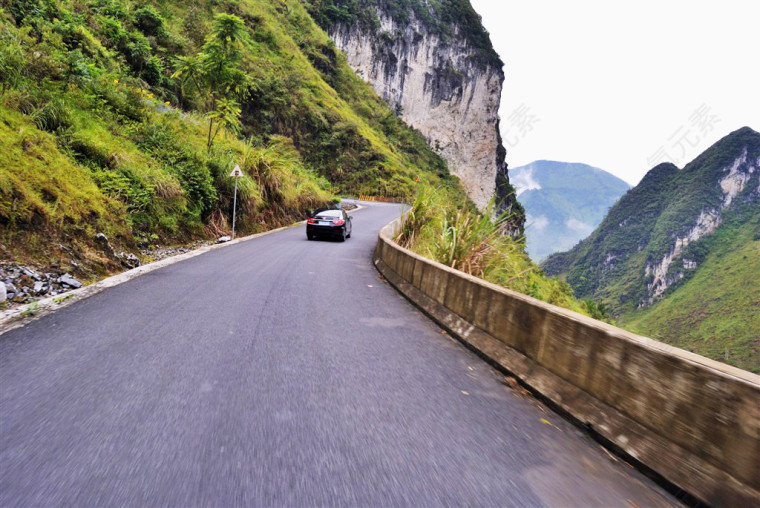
(745, 130)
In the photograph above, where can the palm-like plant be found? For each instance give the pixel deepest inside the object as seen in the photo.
(216, 74)
(189, 69)
(227, 115)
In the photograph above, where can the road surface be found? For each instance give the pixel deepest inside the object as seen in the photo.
(278, 372)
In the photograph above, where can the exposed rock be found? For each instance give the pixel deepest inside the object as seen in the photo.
(707, 222)
(128, 259)
(440, 89)
(67, 280)
(101, 242)
(736, 179)
(223, 239)
(30, 273)
(25, 284)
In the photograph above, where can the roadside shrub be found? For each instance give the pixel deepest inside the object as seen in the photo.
(125, 185)
(419, 217)
(53, 116)
(12, 64)
(113, 31)
(125, 98)
(596, 310)
(149, 21)
(189, 167)
(199, 189)
(115, 8)
(466, 240)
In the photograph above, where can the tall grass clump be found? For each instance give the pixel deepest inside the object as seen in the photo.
(418, 216)
(455, 234)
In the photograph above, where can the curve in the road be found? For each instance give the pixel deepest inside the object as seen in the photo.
(278, 372)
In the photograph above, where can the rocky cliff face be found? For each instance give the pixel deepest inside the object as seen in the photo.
(440, 88)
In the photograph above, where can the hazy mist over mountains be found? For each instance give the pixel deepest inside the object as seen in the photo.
(564, 202)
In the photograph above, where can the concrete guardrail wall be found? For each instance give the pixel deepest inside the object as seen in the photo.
(694, 421)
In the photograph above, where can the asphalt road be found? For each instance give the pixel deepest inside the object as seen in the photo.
(278, 372)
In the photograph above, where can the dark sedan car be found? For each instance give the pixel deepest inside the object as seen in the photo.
(332, 223)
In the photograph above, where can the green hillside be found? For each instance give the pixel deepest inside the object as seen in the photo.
(615, 249)
(677, 256)
(717, 312)
(126, 118)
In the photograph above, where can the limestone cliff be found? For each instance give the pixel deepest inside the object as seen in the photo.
(445, 83)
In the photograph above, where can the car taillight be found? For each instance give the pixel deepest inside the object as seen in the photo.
(338, 222)
(311, 221)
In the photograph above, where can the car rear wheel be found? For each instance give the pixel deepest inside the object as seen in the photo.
(309, 236)
(343, 236)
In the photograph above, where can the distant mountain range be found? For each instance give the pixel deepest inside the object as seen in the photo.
(678, 257)
(563, 202)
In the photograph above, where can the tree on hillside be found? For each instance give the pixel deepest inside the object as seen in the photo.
(216, 76)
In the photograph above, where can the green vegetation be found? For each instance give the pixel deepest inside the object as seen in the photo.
(458, 236)
(215, 72)
(711, 303)
(440, 17)
(126, 117)
(716, 313)
(615, 247)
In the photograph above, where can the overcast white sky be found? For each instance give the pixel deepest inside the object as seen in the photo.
(624, 85)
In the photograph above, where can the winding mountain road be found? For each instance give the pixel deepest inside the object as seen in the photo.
(278, 372)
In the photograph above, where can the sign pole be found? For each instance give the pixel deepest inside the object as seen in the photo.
(236, 173)
(234, 209)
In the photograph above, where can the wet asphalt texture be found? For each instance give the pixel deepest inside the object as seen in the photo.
(279, 372)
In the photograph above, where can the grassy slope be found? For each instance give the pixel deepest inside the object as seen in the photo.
(98, 136)
(43, 192)
(458, 236)
(716, 313)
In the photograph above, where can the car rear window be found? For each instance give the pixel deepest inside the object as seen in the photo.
(329, 213)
